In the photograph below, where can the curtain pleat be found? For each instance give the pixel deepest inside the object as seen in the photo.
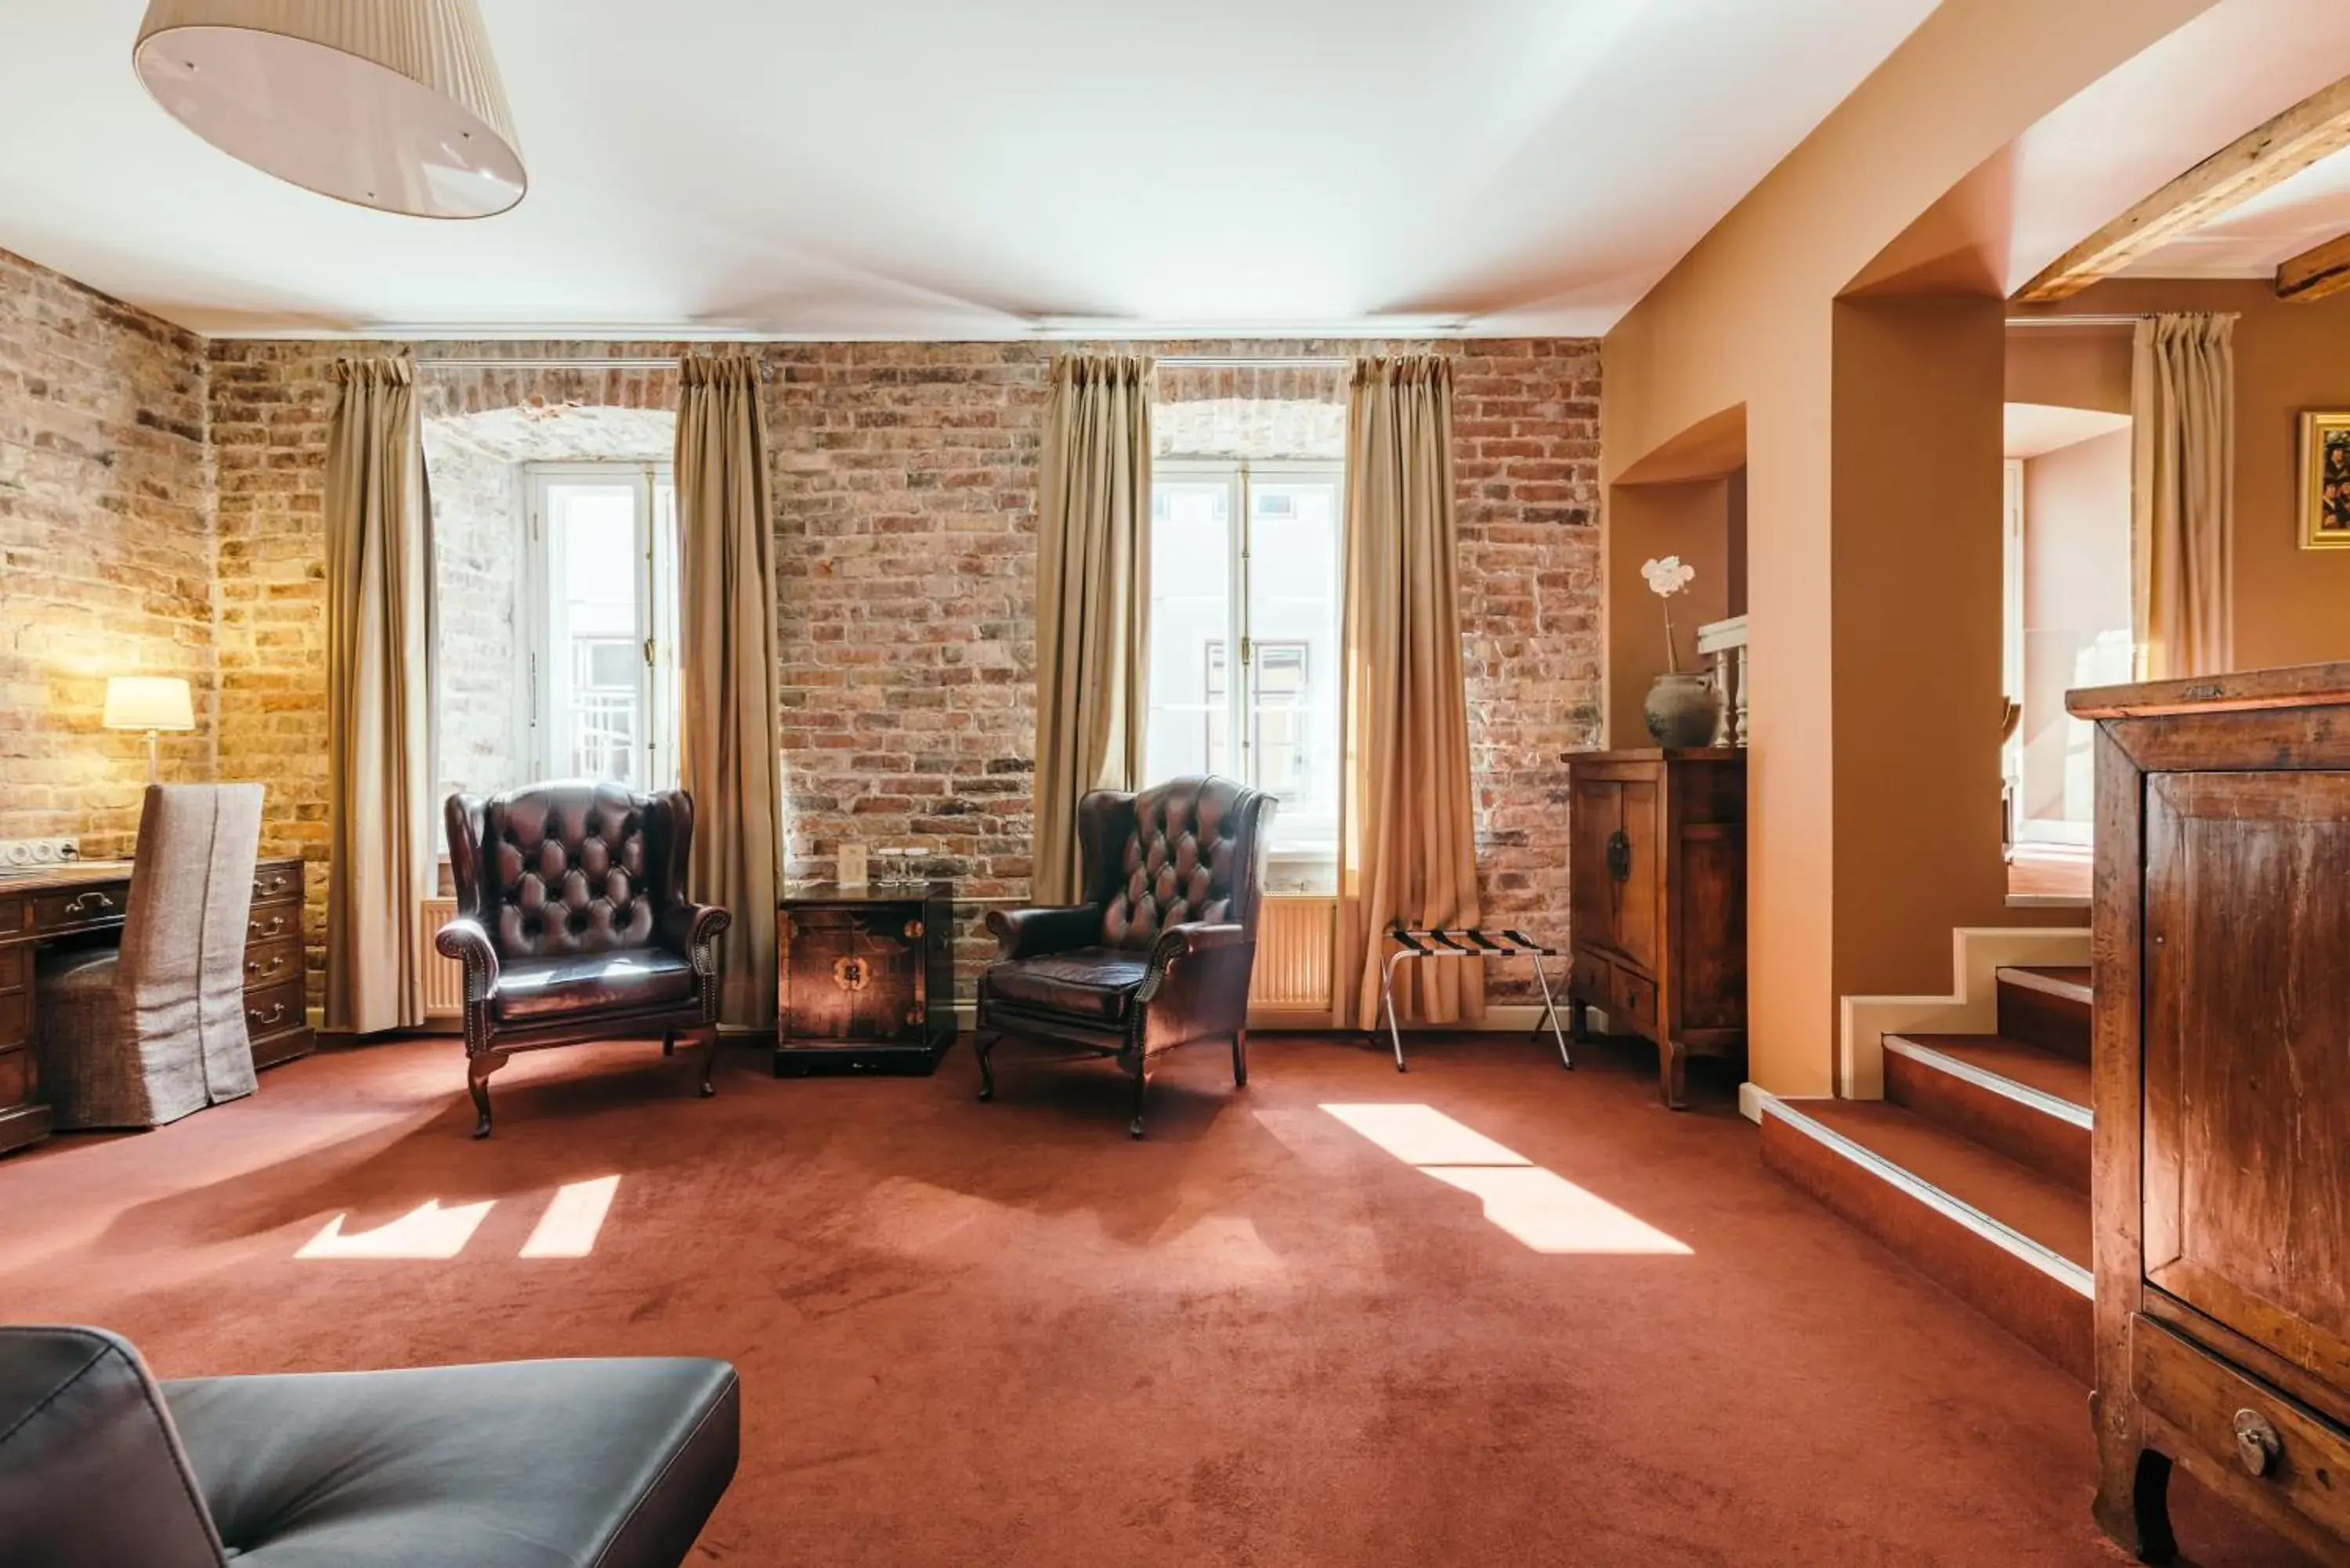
(379, 698)
(1408, 842)
(729, 750)
(2182, 495)
(1093, 601)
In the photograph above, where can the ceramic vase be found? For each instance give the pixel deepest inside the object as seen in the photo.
(1680, 710)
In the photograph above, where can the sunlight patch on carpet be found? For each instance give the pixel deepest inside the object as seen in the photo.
(569, 1227)
(1539, 1208)
(427, 1230)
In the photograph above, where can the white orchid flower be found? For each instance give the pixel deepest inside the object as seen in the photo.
(1668, 576)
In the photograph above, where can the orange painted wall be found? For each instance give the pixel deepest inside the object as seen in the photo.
(2292, 606)
(2077, 584)
(1748, 319)
(1690, 520)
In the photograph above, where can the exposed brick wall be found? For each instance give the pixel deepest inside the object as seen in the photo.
(477, 561)
(905, 495)
(106, 551)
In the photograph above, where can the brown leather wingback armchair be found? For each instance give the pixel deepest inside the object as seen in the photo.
(573, 925)
(1160, 953)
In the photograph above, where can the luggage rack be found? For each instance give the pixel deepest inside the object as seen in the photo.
(1467, 941)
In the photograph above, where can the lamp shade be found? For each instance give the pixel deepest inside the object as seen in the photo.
(148, 702)
(391, 104)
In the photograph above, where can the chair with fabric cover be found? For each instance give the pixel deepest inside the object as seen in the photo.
(143, 1033)
(606, 1463)
(1160, 953)
(574, 925)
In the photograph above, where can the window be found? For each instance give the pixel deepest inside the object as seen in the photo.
(602, 612)
(1246, 556)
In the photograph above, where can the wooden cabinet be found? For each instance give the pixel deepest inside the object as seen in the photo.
(1658, 865)
(85, 903)
(866, 979)
(2221, 1176)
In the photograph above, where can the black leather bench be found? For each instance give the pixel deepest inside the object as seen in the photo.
(526, 1464)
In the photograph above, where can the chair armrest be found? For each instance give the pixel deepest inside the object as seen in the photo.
(1179, 942)
(463, 939)
(1026, 933)
(692, 932)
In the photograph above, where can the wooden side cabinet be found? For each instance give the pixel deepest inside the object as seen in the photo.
(1658, 864)
(866, 979)
(2220, 1183)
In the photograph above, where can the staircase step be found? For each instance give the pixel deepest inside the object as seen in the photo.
(2030, 1104)
(2007, 1241)
(2047, 1006)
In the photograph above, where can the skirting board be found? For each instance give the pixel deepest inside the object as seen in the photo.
(1977, 954)
(1505, 1018)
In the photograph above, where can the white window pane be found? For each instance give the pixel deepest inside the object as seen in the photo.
(1189, 724)
(598, 631)
(1292, 617)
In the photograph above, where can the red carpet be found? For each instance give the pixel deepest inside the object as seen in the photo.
(1005, 1334)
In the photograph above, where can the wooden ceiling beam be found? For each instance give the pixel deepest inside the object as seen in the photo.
(2311, 129)
(2316, 272)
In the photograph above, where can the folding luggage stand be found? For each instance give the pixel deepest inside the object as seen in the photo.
(1455, 941)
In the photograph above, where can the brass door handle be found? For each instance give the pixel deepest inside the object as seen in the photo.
(2258, 1447)
(1620, 855)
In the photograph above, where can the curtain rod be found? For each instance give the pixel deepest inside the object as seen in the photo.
(1238, 362)
(2076, 320)
(617, 363)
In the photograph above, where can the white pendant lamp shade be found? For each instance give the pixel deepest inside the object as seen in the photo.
(391, 104)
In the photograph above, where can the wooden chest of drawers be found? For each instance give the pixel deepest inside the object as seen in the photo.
(2221, 1176)
(867, 980)
(87, 902)
(1657, 866)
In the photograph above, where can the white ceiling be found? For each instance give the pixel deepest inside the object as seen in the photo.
(2283, 221)
(2036, 429)
(975, 168)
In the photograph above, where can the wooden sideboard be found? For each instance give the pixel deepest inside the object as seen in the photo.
(85, 902)
(2220, 1183)
(866, 979)
(1657, 866)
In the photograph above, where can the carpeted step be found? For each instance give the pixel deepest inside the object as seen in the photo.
(2047, 1006)
(2006, 1239)
(2030, 1104)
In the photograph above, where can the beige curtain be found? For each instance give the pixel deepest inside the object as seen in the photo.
(729, 752)
(1409, 840)
(379, 698)
(2183, 486)
(1093, 601)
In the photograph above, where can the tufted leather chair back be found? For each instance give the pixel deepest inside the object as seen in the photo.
(1189, 849)
(555, 870)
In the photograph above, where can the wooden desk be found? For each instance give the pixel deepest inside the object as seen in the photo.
(85, 902)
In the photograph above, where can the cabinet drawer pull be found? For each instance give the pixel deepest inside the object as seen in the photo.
(252, 1016)
(254, 966)
(255, 928)
(2257, 1444)
(276, 884)
(1620, 855)
(85, 902)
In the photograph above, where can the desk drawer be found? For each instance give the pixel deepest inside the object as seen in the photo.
(273, 963)
(1588, 979)
(268, 922)
(15, 968)
(2244, 1425)
(18, 1078)
(15, 917)
(15, 1019)
(1635, 998)
(99, 904)
(277, 880)
(274, 1009)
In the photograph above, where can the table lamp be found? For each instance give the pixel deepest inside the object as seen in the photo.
(149, 702)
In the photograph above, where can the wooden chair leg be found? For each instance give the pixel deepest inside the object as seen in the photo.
(1239, 1058)
(982, 1048)
(708, 1059)
(478, 1069)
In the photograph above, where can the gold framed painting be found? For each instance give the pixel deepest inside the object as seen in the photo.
(2325, 481)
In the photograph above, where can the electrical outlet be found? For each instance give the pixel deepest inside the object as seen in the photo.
(31, 854)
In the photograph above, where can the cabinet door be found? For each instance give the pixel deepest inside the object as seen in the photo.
(1595, 811)
(2247, 1069)
(1639, 896)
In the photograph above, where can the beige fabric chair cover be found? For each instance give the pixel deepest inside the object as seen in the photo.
(143, 1034)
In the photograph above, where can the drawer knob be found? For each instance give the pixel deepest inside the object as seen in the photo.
(2257, 1444)
(1620, 855)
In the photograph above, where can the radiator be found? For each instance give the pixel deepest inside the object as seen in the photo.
(1293, 939)
(444, 978)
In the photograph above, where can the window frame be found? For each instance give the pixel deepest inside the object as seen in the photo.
(1241, 475)
(654, 564)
